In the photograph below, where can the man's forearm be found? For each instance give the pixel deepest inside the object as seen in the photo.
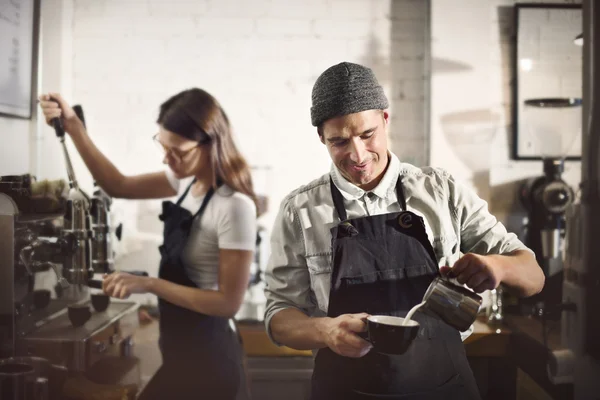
(294, 329)
(521, 273)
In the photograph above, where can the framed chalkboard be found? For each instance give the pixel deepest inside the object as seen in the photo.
(19, 27)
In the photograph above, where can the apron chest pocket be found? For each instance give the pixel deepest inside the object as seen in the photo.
(388, 275)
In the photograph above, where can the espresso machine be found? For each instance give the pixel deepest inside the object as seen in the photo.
(53, 242)
(546, 198)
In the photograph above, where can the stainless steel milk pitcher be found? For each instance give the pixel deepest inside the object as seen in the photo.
(454, 304)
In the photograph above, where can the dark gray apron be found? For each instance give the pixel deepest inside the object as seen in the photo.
(201, 354)
(382, 265)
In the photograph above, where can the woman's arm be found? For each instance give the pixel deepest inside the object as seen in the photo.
(146, 186)
(234, 271)
(236, 232)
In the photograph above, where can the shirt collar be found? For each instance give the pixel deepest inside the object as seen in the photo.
(386, 186)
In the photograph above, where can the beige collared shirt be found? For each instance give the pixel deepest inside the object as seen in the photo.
(298, 274)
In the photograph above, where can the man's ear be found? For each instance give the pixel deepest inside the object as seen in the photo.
(386, 116)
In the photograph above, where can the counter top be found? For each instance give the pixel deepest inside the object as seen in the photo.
(486, 341)
(534, 329)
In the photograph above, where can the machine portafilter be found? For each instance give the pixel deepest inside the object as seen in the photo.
(99, 209)
(102, 252)
(33, 265)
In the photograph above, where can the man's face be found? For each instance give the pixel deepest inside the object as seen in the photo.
(357, 144)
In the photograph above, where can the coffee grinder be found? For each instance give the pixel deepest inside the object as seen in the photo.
(554, 124)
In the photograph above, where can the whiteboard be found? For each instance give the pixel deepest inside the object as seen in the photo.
(16, 56)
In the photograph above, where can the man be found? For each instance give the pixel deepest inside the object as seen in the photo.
(325, 277)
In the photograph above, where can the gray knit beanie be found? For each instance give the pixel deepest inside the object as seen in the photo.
(343, 89)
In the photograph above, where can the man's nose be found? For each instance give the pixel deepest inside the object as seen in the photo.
(358, 151)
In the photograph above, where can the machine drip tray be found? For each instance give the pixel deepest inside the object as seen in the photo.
(61, 329)
(105, 334)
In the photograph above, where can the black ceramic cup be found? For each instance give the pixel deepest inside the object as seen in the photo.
(100, 301)
(388, 335)
(79, 314)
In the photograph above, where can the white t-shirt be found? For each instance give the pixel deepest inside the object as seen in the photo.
(228, 222)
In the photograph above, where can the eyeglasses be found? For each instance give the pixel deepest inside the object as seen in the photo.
(177, 154)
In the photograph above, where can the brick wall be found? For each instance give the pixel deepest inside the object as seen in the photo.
(260, 58)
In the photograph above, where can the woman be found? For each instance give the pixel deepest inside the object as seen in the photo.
(209, 238)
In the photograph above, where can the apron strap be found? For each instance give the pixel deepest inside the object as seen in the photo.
(209, 194)
(205, 201)
(338, 199)
(183, 196)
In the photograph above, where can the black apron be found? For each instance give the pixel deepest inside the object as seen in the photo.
(382, 265)
(201, 354)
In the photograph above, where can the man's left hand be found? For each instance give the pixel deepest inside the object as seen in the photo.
(478, 272)
(121, 284)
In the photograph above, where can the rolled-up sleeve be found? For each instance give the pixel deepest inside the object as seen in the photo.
(287, 279)
(480, 231)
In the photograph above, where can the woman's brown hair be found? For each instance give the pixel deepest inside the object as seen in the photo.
(197, 115)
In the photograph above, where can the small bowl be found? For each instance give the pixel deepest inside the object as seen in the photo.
(79, 314)
(100, 301)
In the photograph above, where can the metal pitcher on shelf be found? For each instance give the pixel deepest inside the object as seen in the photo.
(27, 378)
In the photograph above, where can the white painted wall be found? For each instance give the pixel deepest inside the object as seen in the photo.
(14, 152)
(29, 145)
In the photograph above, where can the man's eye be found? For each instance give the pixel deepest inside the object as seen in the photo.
(340, 143)
(368, 135)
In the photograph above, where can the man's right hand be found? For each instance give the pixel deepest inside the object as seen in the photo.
(340, 335)
(54, 106)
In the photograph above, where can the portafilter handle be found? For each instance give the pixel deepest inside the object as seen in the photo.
(60, 133)
(57, 122)
(58, 127)
(97, 283)
(79, 112)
